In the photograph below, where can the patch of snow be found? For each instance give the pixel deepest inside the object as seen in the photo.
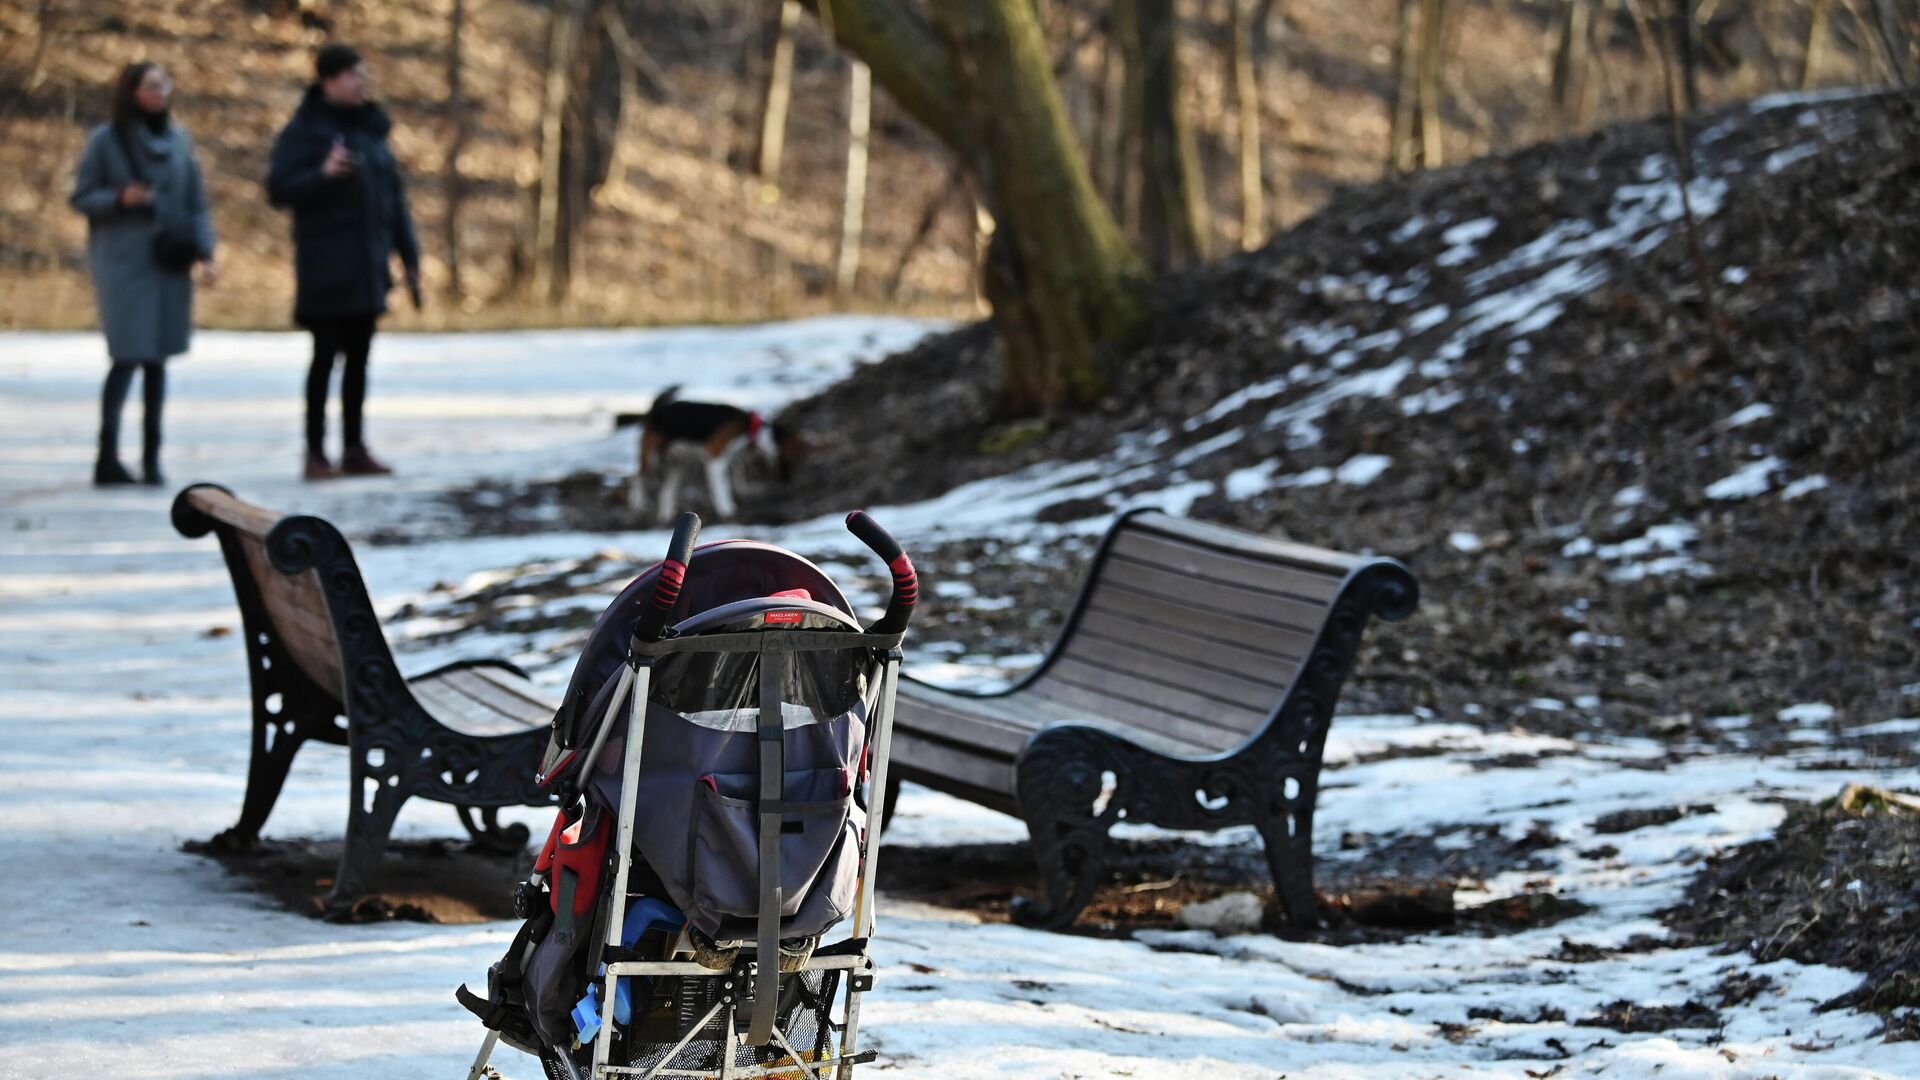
(1812, 712)
(1464, 541)
(1902, 726)
(1631, 495)
(1409, 229)
(1759, 410)
(1581, 638)
(1734, 275)
(1782, 159)
(1431, 400)
(1248, 482)
(1422, 321)
(1752, 479)
(1806, 485)
(1362, 469)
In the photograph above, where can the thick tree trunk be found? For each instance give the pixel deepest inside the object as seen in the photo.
(1109, 157)
(1060, 276)
(1173, 202)
(1246, 105)
(775, 99)
(457, 119)
(853, 213)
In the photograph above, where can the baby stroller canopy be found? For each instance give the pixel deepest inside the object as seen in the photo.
(713, 761)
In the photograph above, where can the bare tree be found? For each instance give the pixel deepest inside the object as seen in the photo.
(1246, 105)
(457, 119)
(854, 210)
(1174, 213)
(1433, 25)
(776, 97)
(564, 28)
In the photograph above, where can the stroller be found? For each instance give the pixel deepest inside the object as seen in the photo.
(719, 750)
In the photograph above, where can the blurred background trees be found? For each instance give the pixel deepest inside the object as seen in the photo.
(590, 161)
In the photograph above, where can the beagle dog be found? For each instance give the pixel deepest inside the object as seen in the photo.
(675, 434)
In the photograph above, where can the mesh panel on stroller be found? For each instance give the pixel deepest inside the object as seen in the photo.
(723, 734)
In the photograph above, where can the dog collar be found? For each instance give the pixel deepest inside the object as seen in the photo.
(754, 423)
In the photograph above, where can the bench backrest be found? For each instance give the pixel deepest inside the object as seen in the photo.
(1191, 629)
(292, 606)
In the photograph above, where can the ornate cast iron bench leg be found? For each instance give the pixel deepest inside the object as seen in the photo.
(1061, 780)
(381, 785)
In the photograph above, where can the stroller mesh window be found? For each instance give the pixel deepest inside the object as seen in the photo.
(721, 691)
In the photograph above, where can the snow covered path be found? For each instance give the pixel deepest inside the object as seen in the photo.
(123, 726)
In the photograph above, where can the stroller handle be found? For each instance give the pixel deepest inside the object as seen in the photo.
(673, 573)
(906, 584)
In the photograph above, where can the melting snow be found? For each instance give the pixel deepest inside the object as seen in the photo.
(1752, 479)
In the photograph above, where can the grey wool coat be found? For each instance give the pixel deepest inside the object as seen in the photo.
(145, 310)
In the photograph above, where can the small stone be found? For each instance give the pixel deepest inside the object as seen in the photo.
(1234, 913)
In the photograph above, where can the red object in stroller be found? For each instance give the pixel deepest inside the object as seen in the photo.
(719, 749)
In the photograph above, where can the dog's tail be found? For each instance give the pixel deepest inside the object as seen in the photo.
(631, 419)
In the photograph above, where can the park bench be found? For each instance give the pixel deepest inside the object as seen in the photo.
(470, 734)
(1191, 688)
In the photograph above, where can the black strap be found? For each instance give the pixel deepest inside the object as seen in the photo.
(773, 772)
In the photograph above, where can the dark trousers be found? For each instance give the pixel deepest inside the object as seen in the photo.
(113, 401)
(351, 338)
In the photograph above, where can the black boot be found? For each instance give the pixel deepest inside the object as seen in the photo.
(108, 472)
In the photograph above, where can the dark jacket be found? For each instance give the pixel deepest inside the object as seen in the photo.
(347, 228)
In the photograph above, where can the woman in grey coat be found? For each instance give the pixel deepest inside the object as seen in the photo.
(137, 180)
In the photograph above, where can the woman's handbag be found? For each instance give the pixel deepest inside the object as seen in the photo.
(175, 247)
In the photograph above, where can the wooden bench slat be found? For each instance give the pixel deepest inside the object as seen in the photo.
(1224, 538)
(1085, 690)
(1135, 659)
(1176, 589)
(1002, 725)
(522, 707)
(1313, 585)
(938, 758)
(298, 612)
(1283, 642)
(1270, 669)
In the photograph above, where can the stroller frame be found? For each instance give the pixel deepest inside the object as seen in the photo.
(761, 973)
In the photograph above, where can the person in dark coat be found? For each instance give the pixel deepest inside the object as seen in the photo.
(333, 168)
(138, 175)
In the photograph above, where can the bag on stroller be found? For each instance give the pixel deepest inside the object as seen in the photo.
(721, 740)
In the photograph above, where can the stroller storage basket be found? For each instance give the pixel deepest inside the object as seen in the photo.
(729, 726)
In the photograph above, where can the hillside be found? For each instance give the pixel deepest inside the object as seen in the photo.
(680, 231)
(1497, 373)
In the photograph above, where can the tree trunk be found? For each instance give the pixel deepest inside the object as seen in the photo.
(854, 212)
(1060, 277)
(457, 116)
(1816, 38)
(1433, 23)
(1109, 158)
(563, 34)
(1402, 104)
(1173, 202)
(777, 96)
(1683, 45)
(1570, 65)
(1683, 172)
(1246, 104)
